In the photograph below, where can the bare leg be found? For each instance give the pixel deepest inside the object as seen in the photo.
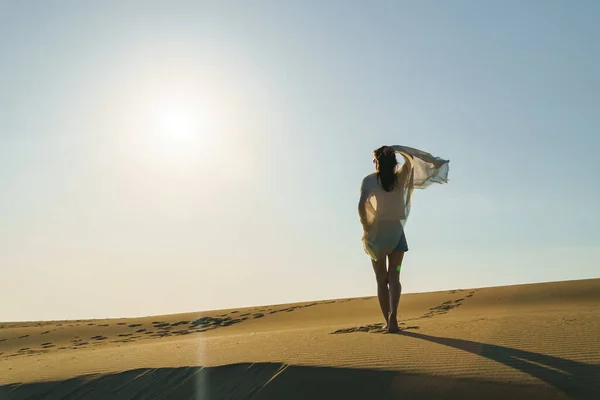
(383, 293)
(395, 289)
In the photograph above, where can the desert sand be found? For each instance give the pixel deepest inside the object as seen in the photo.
(538, 341)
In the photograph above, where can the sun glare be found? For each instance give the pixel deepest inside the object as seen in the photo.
(177, 127)
(176, 123)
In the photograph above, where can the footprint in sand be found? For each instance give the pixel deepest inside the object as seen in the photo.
(23, 337)
(99, 337)
(445, 307)
(230, 322)
(203, 324)
(122, 341)
(134, 325)
(160, 334)
(374, 328)
(180, 323)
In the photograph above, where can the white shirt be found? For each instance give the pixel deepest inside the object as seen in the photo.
(388, 206)
(386, 212)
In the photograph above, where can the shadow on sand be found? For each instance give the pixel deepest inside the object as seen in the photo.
(575, 379)
(260, 381)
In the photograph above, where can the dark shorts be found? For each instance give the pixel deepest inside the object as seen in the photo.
(402, 245)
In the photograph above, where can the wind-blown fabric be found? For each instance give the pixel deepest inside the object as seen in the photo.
(419, 171)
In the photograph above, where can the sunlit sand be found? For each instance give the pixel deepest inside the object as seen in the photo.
(526, 341)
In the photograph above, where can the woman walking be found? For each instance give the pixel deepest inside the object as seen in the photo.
(383, 208)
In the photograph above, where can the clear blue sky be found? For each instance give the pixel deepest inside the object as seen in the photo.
(162, 157)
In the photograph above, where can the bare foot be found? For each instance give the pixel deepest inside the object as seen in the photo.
(392, 325)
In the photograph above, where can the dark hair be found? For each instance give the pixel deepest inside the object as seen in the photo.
(385, 157)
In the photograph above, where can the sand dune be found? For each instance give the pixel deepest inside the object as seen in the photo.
(525, 341)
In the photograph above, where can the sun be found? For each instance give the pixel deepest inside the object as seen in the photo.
(176, 132)
(180, 131)
(176, 123)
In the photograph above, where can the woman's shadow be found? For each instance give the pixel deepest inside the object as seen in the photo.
(579, 380)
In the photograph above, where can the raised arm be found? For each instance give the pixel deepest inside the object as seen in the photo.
(425, 168)
(407, 162)
(422, 155)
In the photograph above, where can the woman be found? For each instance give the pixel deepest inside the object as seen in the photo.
(383, 209)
